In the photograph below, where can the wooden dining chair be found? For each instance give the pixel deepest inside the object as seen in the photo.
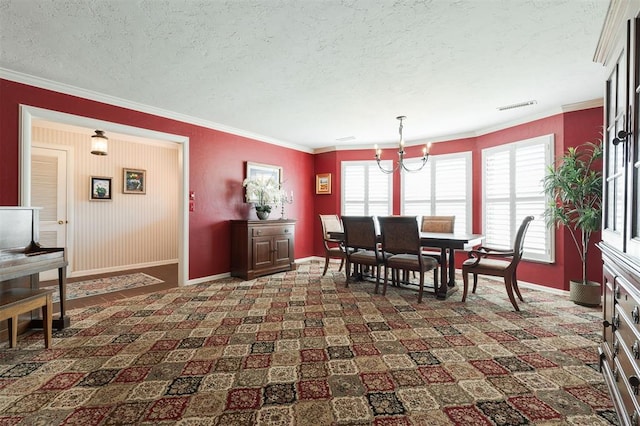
(441, 224)
(361, 246)
(497, 263)
(401, 240)
(333, 249)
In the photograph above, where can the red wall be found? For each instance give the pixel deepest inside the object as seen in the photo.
(217, 168)
(570, 129)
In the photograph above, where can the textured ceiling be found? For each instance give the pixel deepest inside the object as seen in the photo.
(310, 72)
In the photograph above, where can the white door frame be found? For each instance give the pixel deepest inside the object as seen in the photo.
(30, 113)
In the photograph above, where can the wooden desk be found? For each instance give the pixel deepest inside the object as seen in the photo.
(444, 242)
(22, 256)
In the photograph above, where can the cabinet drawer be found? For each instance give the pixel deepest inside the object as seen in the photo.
(265, 231)
(626, 303)
(626, 379)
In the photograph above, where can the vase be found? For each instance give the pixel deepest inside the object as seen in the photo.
(262, 214)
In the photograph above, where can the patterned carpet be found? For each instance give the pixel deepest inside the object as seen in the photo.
(299, 349)
(79, 289)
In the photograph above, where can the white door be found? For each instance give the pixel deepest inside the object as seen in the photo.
(49, 191)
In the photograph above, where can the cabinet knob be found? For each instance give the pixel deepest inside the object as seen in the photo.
(617, 291)
(636, 349)
(606, 324)
(616, 346)
(636, 314)
(286, 230)
(616, 320)
(615, 373)
(634, 382)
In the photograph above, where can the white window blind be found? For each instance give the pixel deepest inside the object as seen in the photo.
(512, 177)
(442, 188)
(366, 190)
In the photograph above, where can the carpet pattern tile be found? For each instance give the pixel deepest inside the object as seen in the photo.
(80, 289)
(297, 348)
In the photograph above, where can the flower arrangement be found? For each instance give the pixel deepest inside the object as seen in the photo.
(263, 193)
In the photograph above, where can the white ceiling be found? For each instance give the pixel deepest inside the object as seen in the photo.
(309, 72)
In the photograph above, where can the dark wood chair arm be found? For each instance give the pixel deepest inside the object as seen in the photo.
(485, 252)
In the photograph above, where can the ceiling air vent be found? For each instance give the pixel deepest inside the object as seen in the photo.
(346, 139)
(518, 105)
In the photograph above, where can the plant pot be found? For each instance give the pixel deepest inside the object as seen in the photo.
(588, 294)
(262, 215)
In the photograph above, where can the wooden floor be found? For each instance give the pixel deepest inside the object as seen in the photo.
(167, 273)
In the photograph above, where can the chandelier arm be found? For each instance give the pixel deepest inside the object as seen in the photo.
(410, 170)
(383, 170)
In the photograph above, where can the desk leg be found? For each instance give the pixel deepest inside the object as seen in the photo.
(63, 321)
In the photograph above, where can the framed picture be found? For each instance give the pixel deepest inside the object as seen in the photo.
(134, 181)
(100, 188)
(263, 172)
(323, 183)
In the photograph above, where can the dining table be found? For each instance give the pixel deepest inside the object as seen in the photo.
(448, 244)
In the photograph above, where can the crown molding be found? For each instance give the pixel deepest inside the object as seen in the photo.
(123, 103)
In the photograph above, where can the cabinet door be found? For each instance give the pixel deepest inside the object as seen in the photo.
(262, 252)
(283, 250)
(633, 243)
(608, 303)
(615, 154)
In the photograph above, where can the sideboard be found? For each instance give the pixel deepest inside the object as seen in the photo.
(261, 247)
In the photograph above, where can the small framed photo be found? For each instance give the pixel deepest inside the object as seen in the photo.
(100, 188)
(323, 183)
(134, 181)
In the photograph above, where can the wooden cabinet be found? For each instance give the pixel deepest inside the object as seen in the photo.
(620, 348)
(261, 247)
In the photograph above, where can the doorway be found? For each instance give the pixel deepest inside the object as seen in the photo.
(30, 114)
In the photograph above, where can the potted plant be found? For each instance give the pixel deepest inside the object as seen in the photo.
(262, 192)
(574, 187)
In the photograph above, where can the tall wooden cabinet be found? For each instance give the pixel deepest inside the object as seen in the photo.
(261, 247)
(620, 348)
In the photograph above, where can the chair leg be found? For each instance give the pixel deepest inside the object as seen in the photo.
(421, 290)
(475, 283)
(326, 265)
(509, 286)
(347, 273)
(341, 265)
(386, 280)
(514, 283)
(435, 278)
(465, 284)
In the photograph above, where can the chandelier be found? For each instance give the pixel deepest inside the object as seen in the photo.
(400, 164)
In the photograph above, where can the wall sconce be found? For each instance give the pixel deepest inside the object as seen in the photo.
(400, 164)
(99, 143)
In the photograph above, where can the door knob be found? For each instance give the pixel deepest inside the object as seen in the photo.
(61, 222)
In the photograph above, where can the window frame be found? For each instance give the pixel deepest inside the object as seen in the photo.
(514, 224)
(368, 163)
(432, 163)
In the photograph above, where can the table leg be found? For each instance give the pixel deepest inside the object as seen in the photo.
(442, 288)
(452, 268)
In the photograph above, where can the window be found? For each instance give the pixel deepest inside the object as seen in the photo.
(442, 188)
(512, 178)
(366, 190)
